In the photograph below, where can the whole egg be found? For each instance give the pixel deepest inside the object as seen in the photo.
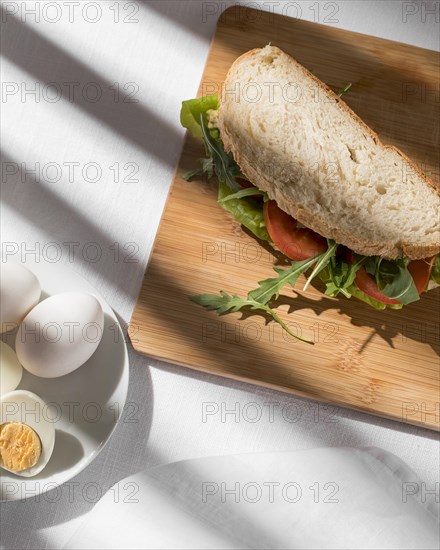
(60, 334)
(20, 291)
(10, 369)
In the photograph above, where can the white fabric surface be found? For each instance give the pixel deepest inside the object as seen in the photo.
(321, 498)
(163, 54)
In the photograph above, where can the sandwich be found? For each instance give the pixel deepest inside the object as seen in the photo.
(301, 171)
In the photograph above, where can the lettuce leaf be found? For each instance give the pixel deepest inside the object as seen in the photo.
(226, 169)
(435, 273)
(247, 211)
(193, 108)
(354, 291)
(349, 288)
(393, 278)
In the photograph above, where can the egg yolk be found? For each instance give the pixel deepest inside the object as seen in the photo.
(20, 446)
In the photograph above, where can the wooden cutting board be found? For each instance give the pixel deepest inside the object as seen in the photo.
(382, 362)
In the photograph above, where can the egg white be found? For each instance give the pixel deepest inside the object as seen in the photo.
(11, 370)
(26, 407)
(20, 291)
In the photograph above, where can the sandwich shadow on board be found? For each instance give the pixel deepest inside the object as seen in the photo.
(387, 324)
(374, 368)
(164, 303)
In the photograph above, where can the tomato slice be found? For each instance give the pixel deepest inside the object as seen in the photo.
(421, 271)
(367, 283)
(297, 243)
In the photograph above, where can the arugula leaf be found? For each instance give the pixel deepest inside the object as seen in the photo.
(226, 303)
(339, 276)
(354, 291)
(206, 168)
(322, 261)
(344, 90)
(270, 288)
(393, 278)
(191, 173)
(192, 109)
(401, 286)
(224, 164)
(247, 192)
(248, 212)
(435, 272)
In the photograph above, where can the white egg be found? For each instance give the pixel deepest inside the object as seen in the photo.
(60, 334)
(10, 369)
(24, 407)
(20, 291)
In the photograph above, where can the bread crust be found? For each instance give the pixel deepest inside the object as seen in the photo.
(310, 219)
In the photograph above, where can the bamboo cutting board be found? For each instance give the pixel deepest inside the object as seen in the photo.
(382, 362)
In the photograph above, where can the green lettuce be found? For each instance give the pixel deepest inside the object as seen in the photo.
(354, 291)
(392, 278)
(193, 108)
(247, 211)
(435, 273)
(345, 284)
(338, 276)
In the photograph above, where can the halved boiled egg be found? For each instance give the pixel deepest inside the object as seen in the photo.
(10, 369)
(27, 435)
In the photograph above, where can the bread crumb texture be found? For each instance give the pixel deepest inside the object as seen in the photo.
(298, 141)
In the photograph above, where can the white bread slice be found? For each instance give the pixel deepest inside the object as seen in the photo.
(298, 141)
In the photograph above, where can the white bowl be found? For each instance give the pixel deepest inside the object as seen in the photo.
(85, 405)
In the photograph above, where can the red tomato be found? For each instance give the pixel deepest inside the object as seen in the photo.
(367, 283)
(297, 243)
(421, 271)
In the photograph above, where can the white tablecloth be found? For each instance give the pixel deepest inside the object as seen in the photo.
(333, 498)
(101, 172)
